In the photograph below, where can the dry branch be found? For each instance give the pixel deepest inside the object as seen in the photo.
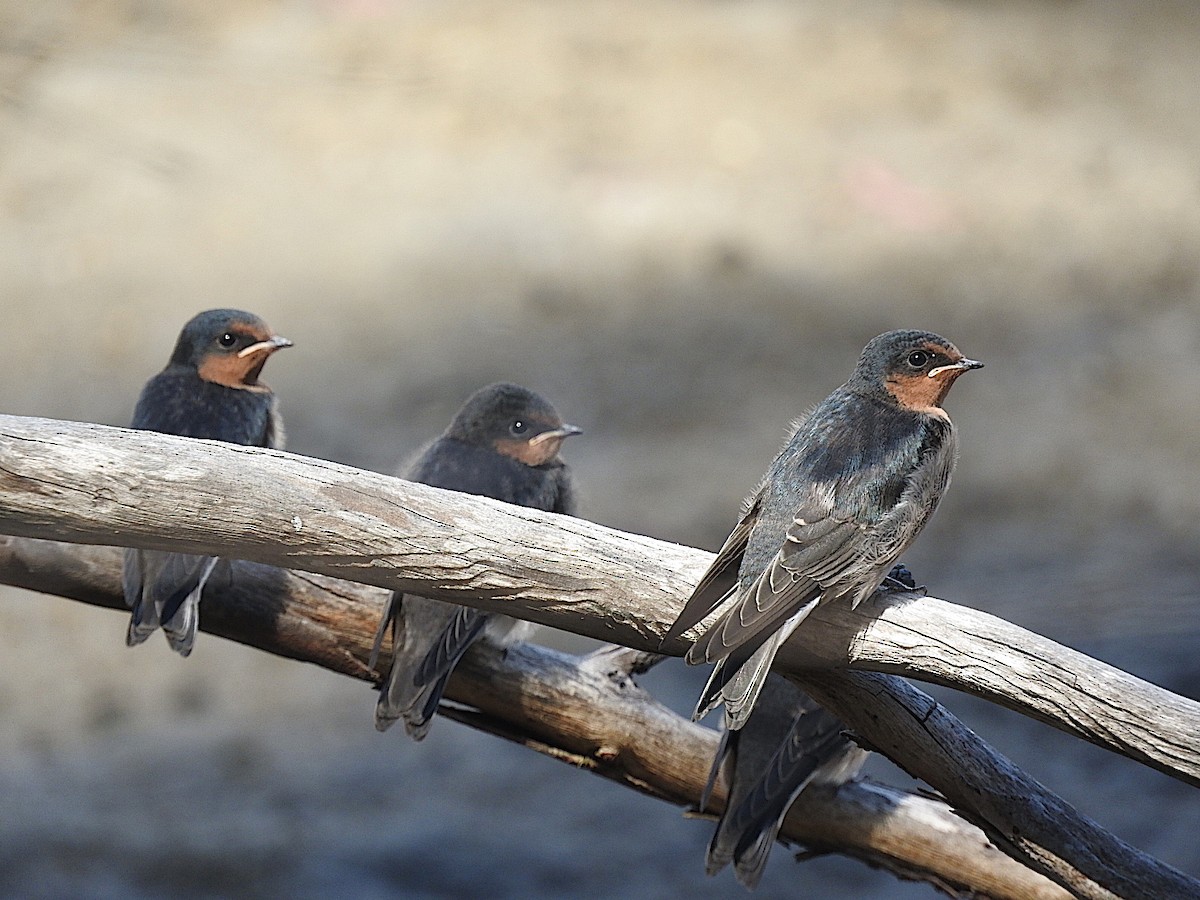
(587, 712)
(97, 485)
(93, 484)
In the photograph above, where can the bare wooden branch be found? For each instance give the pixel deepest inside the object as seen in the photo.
(943, 643)
(587, 712)
(91, 484)
(1020, 815)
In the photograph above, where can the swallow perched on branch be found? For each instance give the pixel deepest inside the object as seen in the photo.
(209, 389)
(850, 491)
(503, 444)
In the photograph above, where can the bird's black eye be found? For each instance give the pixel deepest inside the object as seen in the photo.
(518, 427)
(228, 339)
(918, 358)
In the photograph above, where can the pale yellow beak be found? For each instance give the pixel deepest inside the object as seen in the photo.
(270, 345)
(963, 364)
(562, 432)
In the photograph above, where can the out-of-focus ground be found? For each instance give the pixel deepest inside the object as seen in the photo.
(680, 221)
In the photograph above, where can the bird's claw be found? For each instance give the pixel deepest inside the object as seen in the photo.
(900, 581)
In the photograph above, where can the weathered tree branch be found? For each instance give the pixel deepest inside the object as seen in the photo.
(91, 484)
(586, 712)
(1020, 815)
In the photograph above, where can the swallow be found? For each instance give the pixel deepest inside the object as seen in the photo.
(788, 743)
(853, 487)
(210, 389)
(504, 444)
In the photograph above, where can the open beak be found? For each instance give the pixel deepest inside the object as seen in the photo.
(270, 345)
(963, 365)
(563, 431)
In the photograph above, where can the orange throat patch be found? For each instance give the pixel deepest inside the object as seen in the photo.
(531, 453)
(921, 393)
(231, 371)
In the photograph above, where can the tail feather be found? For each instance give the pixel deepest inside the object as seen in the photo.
(744, 687)
(787, 744)
(451, 644)
(133, 576)
(390, 621)
(163, 590)
(180, 629)
(142, 624)
(429, 639)
(737, 680)
(726, 753)
(751, 860)
(144, 619)
(418, 718)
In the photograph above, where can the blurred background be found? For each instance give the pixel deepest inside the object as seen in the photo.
(680, 222)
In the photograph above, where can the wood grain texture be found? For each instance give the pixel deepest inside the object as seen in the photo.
(586, 711)
(93, 484)
(944, 643)
(1019, 814)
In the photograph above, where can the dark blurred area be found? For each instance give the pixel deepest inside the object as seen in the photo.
(678, 221)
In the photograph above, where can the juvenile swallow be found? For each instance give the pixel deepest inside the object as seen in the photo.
(788, 743)
(209, 389)
(856, 483)
(503, 444)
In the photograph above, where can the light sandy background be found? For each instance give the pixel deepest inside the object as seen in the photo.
(680, 221)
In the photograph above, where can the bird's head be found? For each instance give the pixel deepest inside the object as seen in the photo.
(227, 347)
(915, 368)
(513, 421)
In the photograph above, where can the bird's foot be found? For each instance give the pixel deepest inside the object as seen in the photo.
(900, 581)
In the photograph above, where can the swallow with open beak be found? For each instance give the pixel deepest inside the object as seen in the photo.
(858, 480)
(503, 443)
(209, 389)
